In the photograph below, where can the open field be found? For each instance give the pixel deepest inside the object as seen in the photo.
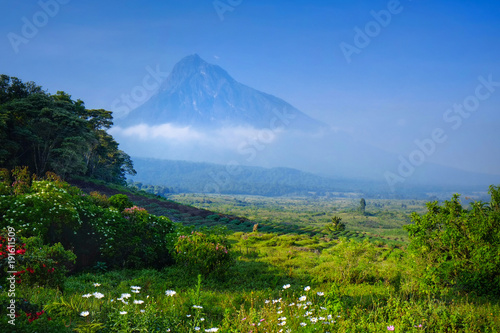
(383, 218)
(212, 273)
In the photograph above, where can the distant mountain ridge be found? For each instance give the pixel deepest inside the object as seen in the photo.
(214, 178)
(204, 95)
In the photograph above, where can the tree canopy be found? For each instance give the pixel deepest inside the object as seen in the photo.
(52, 132)
(459, 247)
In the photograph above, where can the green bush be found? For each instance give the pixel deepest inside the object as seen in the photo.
(137, 239)
(120, 201)
(57, 212)
(34, 263)
(43, 265)
(46, 209)
(458, 247)
(203, 253)
(99, 199)
(5, 182)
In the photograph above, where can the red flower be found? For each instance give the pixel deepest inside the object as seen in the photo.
(18, 273)
(31, 270)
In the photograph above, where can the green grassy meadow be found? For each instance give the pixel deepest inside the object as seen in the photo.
(383, 218)
(286, 276)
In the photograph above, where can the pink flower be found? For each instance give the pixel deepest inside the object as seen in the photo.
(390, 328)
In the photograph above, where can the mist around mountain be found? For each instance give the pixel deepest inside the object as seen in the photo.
(201, 114)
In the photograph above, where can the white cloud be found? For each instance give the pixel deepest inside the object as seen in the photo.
(225, 138)
(166, 131)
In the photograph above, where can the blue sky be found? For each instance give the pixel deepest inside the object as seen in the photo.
(394, 91)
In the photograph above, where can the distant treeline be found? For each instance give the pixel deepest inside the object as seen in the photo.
(48, 132)
(193, 177)
(164, 177)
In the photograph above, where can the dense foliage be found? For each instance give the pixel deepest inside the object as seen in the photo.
(203, 252)
(88, 224)
(37, 264)
(55, 133)
(459, 247)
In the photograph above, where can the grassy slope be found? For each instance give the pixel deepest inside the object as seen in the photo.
(367, 288)
(274, 215)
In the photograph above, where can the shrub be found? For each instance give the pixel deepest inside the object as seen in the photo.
(11, 250)
(137, 239)
(35, 264)
(458, 247)
(203, 253)
(22, 180)
(44, 265)
(99, 199)
(334, 226)
(57, 212)
(28, 317)
(5, 182)
(120, 201)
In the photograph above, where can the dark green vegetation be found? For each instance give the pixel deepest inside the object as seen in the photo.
(94, 227)
(459, 247)
(55, 133)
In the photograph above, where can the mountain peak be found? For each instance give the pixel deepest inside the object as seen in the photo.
(192, 60)
(197, 93)
(194, 71)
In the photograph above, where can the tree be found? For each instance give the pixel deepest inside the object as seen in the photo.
(362, 206)
(335, 225)
(56, 133)
(458, 247)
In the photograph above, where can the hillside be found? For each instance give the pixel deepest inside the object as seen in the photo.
(184, 176)
(187, 215)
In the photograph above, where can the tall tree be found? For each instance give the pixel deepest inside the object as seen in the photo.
(362, 206)
(56, 133)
